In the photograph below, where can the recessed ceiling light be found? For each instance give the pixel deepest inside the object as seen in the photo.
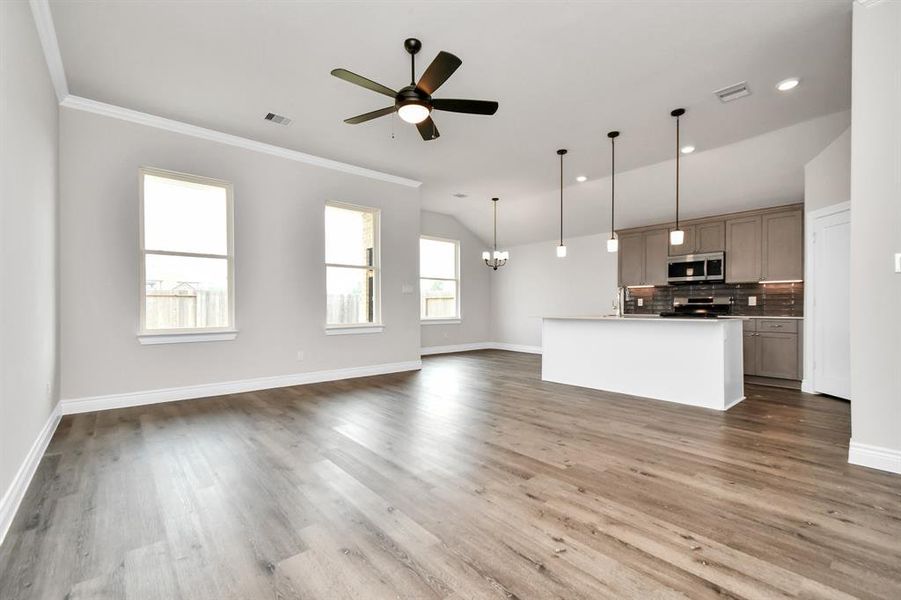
(581, 178)
(688, 149)
(788, 84)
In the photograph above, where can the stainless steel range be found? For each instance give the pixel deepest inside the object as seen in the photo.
(702, 307)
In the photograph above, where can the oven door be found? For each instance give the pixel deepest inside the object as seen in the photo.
(685, 269)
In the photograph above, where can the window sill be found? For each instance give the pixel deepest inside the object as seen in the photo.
(353, 329)
(440, 321)
(186, 337)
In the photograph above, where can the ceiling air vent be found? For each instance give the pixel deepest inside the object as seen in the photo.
(460, 195)
(278, 119)
(733, 92)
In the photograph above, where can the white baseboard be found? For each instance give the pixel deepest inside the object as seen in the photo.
(874, 457)
(516, 347)
(428, 350)
(9, 505)
(80, 405)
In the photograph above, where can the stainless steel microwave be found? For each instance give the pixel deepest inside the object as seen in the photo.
(709, 267)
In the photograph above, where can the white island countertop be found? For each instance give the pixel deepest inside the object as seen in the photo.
(690, 361)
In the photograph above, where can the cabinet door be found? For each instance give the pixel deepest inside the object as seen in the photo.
(743, 260)
(783, 245)
(710, 237)
(688, 246)
(656, 246)
(778, 355)
(749, 352)
(631, 259)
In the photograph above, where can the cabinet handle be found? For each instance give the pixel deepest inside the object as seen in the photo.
(777, 325)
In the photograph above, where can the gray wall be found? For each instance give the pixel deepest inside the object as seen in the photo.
(28, 218)
(535, 283)
(475, 285)
(279, 246)
(827, 181)
(876, 226)
(827, 178)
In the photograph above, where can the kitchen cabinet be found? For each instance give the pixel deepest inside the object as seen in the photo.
(631, 259)
(743, 249)
(778, 355)
(642, 257)
(710, 237)
(656, 245)
(783, 245)
(688, 246)
(772, 348)
(700, 238)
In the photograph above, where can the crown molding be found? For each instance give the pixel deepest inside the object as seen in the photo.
(43, 22)
(141, 118)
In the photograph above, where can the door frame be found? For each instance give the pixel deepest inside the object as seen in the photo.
(810, 218)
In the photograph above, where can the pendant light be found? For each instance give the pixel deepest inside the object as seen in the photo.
(612, 243)
(677, 236)
(561, 249)
(495, 258)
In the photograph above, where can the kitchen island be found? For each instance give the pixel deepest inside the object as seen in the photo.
(690, 361)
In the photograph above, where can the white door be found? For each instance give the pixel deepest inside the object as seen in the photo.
(832, 282)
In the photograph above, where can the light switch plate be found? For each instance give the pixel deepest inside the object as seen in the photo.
(752, 300)
(406, 288)
(897, 262)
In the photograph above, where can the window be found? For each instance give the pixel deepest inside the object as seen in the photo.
(187, 266)
(351, 266)
(439, 279)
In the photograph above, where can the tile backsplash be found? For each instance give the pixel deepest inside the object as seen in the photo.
(773, 299)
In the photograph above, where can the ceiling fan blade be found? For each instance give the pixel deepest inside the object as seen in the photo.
(370, 116)
(427, 129)
(441, 68)
(363, 82)
(473, 107)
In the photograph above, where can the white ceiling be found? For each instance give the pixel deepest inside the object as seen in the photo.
(564, 74)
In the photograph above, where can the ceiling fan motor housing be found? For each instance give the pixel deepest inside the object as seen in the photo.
(411, 95)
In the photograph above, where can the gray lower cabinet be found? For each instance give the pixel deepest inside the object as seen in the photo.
(783, 245)
(743, 249)
(631, 259)
(772, 348)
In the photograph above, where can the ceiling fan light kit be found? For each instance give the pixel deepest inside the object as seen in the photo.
(414, 103)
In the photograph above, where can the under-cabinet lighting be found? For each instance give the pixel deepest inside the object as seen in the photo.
(765, 281)
(635, 287)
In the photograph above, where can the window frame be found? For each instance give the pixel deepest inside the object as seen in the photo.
(194, 334)
(376, 325)
(457, 279)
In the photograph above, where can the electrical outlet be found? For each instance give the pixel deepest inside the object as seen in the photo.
(752, 300)
(300, 355)
(641, 302)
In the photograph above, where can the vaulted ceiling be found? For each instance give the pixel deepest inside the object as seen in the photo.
(564, 74)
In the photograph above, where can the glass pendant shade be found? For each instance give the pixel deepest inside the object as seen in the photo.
(413, 113)
(676, 237)
(486, 255)
(561, 251)
(612, 245)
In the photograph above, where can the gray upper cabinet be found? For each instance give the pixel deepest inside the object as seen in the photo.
(743, 249)
(631, 259)
(710, 237)
(688, 246)
(783, 245)
(656, 244)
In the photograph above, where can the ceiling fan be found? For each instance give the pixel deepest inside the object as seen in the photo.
(414, 103)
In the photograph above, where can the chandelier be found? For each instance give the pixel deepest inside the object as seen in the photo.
(495, 258)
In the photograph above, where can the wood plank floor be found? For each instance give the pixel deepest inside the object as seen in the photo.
(469, 479)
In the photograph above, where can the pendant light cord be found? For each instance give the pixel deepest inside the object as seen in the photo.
(561, 199)
(612, 182)
(495, 224)
(677, 173)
